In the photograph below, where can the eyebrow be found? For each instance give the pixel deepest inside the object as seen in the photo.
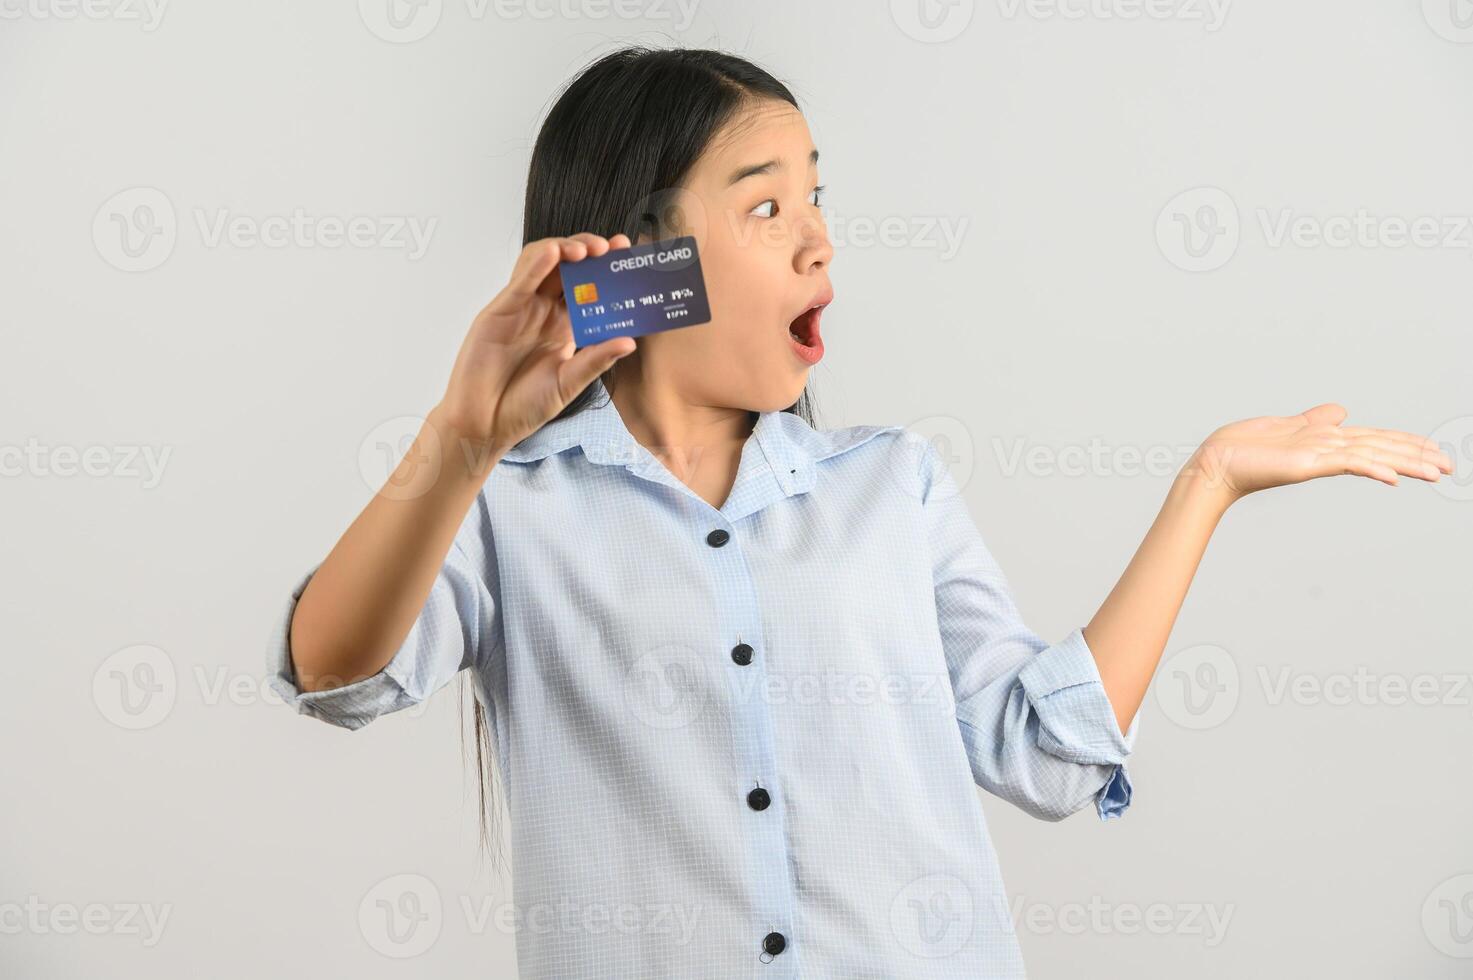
(763, 168)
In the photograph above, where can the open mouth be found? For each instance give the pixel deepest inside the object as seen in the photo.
(804, 329)
(803, 333)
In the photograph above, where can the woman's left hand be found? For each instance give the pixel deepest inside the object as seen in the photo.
(1273, 451)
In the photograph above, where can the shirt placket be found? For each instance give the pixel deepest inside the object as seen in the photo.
(757, 801)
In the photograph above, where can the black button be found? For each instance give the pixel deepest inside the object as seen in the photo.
(758, 799)
(774, 943)
(717, 538)
(742, 654)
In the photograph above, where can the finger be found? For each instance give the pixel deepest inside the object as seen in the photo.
(597, 244)
(1398, 461)
(620, 240)
(1429, 448)
(575, 248)
(578, 371)
(552, 285)
(532, 267)
(1329, 413)
(1349, 462)
(1429, 462)
(536, 261)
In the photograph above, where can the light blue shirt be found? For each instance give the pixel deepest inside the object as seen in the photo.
(744, 742)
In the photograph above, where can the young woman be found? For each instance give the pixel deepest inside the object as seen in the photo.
(743, 675)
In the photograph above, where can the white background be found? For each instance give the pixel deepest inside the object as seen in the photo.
(1066, 148)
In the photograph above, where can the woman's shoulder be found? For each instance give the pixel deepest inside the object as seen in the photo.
(871, 454)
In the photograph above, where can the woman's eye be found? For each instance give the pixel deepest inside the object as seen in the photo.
(817, 194)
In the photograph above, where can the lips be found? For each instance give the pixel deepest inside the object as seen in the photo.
(803, 327)
(803, 333)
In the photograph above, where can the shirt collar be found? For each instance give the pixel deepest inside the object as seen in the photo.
(790, 446)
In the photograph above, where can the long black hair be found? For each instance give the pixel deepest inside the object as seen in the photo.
(610, 158)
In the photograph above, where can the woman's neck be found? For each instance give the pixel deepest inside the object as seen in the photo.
(699, 443)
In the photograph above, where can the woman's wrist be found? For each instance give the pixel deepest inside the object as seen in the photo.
(1203, 488)
(459, 463)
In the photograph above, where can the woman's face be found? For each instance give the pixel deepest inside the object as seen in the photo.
(750, 202)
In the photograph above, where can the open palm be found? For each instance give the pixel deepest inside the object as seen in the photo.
(1272, 451)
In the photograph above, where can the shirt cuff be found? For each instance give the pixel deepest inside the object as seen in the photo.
(1114, 798)
(1076, 720)
(350, 706)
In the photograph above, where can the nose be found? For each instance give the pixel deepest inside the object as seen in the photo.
(813, 246)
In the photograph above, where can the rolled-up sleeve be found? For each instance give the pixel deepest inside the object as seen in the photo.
(1038, 728)
(459, 627)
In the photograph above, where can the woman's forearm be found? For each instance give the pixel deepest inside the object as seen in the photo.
(360, 604)
(1128, 634)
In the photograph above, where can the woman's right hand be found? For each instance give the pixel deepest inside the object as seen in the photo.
(518, 366)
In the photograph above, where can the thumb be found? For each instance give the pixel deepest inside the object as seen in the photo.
(1330, 413)
(578, 371)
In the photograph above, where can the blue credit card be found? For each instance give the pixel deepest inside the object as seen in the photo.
(630, 292)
